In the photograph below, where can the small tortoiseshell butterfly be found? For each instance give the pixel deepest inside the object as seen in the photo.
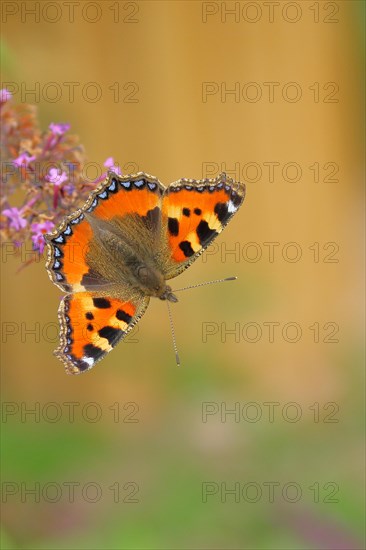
(120, 248)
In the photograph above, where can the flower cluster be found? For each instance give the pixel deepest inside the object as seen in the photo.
(42, 174)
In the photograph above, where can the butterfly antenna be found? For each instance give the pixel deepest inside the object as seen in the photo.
(206, 283)
(177, 360)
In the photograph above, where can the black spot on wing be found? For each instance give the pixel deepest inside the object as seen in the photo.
(204, 232)
(93, 351)
(123, 316)
(198, 211)
(89, 315)
(101, 303)
(186, 212)
(186, 248)
(221, 211)
(173, 226)
(81, 365)
(236, 199)
(90, 327)
(111, 334)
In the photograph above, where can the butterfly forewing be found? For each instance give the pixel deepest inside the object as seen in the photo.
(118, 202)
(194, 213)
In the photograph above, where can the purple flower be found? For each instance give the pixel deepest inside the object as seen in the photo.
(17, 222)
(110, 164)
(23, 160)
(39, 230)
(56, 177)
(5, 95)
(38, 242)
(59, 129)
(42, 227)
(68, 189)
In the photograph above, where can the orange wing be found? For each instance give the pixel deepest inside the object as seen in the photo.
(92, 325)
(67, 246)
(195, 212)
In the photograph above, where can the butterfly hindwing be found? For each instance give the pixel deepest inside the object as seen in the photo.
(195, 212)
(92, 325)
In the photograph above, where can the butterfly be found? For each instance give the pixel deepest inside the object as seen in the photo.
(112, 255)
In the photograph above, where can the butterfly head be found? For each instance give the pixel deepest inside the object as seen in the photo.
(168, 295)
(152, 283)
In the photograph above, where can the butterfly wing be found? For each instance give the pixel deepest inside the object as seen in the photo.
(194, 212)
(103, 305)
(91, 325)
(130, 207)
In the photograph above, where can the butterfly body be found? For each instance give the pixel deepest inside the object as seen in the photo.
(122, 247)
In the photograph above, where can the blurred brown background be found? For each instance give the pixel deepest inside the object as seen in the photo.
(171, 63)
